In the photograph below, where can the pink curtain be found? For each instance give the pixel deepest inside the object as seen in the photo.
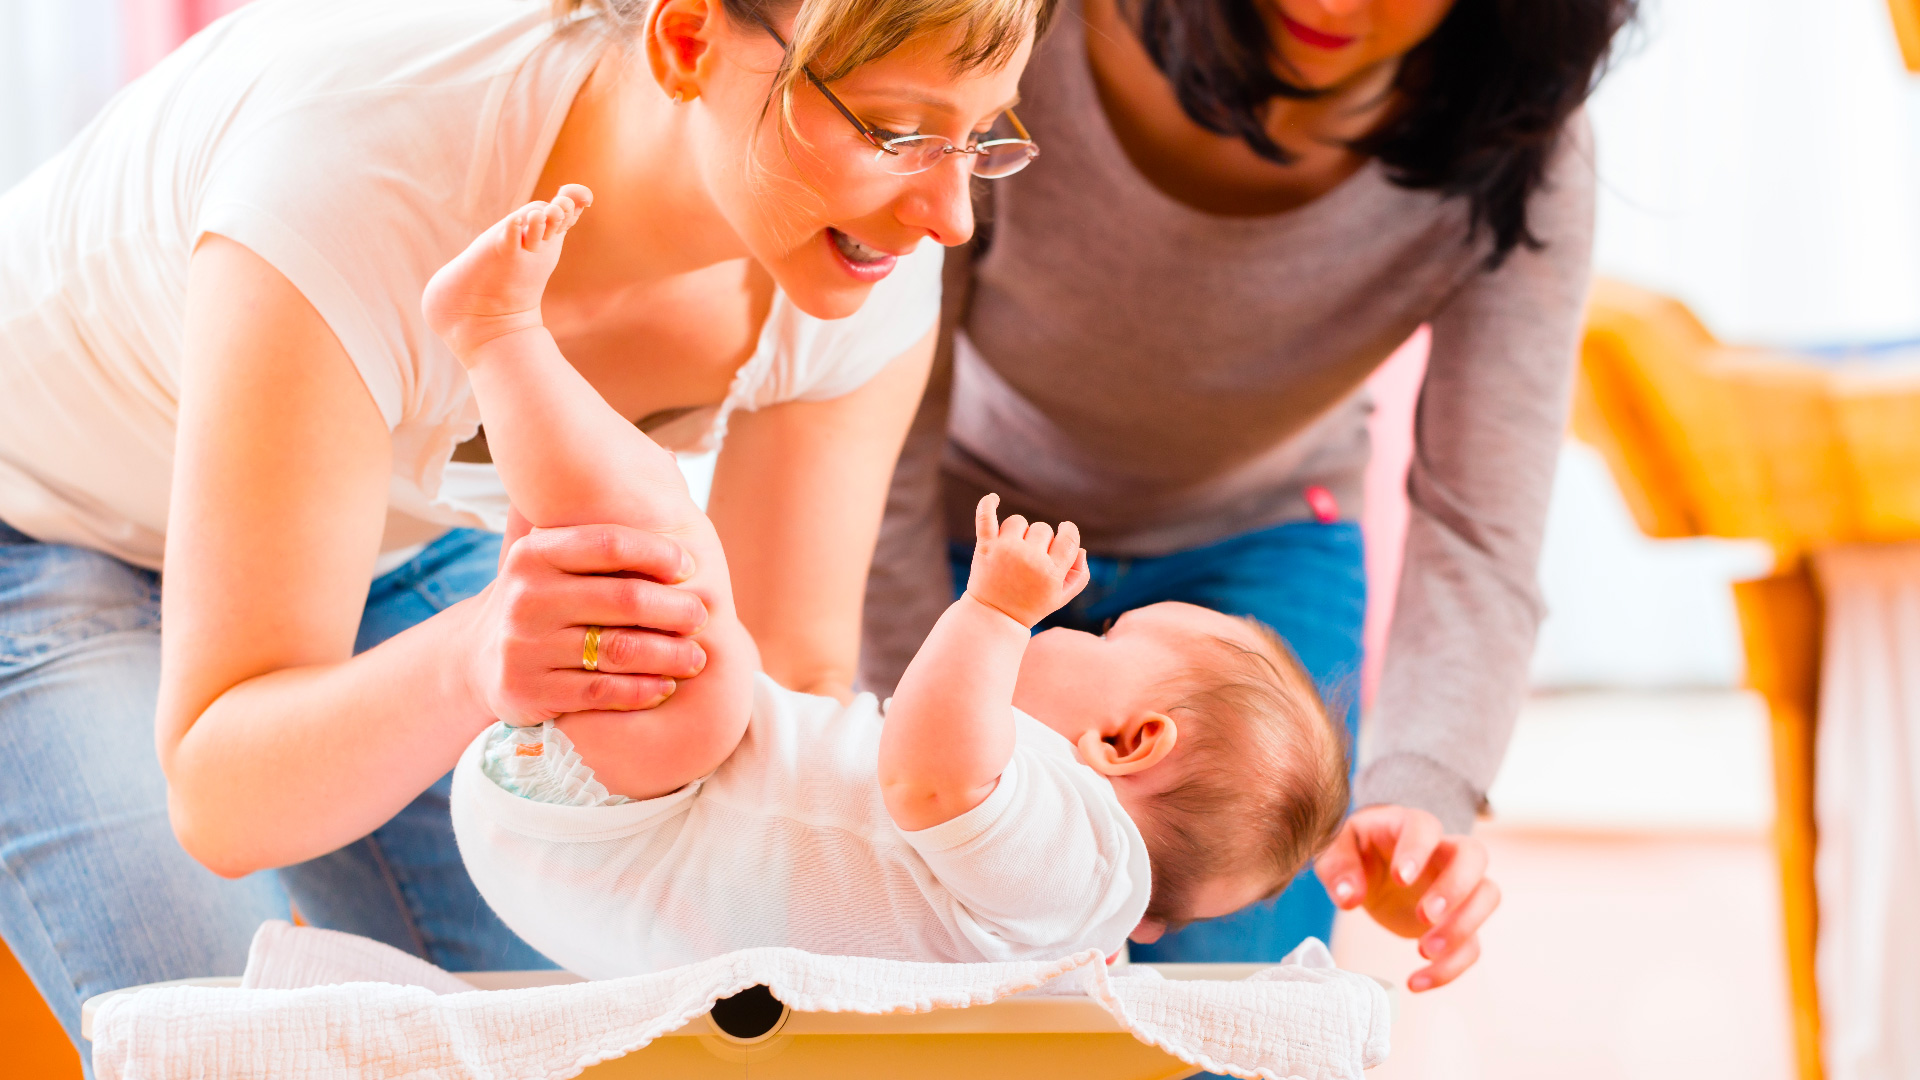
(155, 28)
(1396, 389)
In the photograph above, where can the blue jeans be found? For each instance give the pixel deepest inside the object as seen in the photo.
(1308, 582)
(95, 892)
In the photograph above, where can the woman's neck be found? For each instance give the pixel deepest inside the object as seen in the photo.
(1220, 173)
(652, 217)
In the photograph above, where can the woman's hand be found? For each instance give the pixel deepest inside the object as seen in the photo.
(528, 660)
(1416, 882)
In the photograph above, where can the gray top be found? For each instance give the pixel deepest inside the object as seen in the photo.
(1167, 378)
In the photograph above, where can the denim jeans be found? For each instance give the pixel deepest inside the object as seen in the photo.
(95, 892)
(1307, 581)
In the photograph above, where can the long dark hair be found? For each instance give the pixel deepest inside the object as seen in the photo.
(1482, 99)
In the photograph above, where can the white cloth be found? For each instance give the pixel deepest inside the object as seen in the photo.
(1867, 806)
(355, 145)
(788, 843)
(287, 957)
(1304, 1018)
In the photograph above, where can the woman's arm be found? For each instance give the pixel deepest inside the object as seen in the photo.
(1493, 412)
(910, 583)
(1492, 415)
(797, 497)
(278, 744)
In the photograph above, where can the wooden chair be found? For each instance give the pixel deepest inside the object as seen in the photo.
(1707, 439)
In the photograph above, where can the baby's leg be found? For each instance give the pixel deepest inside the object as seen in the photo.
(567, 459)
(565, 456)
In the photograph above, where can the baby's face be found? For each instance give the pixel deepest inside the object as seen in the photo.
(1071, 680)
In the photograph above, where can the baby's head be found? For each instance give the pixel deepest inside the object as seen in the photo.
(1215, 740)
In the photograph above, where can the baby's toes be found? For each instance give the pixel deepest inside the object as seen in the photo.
(525, 226)
(576, 198)
(539, 226)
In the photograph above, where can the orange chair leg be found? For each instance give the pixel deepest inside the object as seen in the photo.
(1780, 620)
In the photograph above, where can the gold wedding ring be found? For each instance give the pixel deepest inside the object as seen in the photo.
(590, 653)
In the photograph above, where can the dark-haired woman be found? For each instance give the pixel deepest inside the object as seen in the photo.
(1244, 207)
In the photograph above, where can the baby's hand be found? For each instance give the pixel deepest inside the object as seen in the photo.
(1024, 571)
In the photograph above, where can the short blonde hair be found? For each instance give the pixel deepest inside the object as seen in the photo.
(1262, 785)
(833, 37)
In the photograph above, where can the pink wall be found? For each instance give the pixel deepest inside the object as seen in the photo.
(155, 28)
(1396, 389)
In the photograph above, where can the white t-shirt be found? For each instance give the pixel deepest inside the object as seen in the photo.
(789, 843)
(356, 145)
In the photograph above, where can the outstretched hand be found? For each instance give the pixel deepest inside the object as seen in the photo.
(1025, 571)
(1415, 881)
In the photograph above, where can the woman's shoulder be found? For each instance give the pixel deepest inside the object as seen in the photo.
(291, 46)
(356, 146)
(338, 95)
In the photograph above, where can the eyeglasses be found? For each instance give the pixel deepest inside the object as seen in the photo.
(906, 155)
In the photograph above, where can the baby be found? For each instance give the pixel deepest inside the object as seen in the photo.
(1022, 796)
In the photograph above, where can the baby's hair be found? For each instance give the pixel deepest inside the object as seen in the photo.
(1262, 782)
(833, 37)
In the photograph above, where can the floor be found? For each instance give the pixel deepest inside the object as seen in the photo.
(1639, 935)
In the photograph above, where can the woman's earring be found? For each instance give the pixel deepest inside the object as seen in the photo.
(679, 97)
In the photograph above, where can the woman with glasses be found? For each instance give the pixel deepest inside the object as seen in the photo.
(1162, 334)
(213, 361)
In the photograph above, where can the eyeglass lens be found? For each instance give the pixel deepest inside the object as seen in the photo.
(989, 160)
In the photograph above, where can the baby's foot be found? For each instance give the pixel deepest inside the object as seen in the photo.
(494, 287)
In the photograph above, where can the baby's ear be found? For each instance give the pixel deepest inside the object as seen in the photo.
(1148, 931)
(1144, 742)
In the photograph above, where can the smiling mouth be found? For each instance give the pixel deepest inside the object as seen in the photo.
(1319, 39)
(855, 251)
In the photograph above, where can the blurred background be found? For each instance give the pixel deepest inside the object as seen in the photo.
(1760, 163)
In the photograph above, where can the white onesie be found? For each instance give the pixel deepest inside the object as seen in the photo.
(789, 843)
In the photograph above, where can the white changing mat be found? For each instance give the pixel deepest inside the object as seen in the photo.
(317, 1004)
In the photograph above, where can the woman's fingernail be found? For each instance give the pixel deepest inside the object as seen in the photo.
(1407, 873)
(1432, 947)
(686, 565)
(699, 659)
(1435, 907)
(662, 700)
(1343, 892)
(1419, 983)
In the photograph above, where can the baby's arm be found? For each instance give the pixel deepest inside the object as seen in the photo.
(567, 458)
(949, 732)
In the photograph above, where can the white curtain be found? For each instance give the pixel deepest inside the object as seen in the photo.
(1867, 804)
(60, 60)
(1760, 159)
(1627, 612)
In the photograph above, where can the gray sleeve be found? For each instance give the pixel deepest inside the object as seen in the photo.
(1487, 435)
(909, 584)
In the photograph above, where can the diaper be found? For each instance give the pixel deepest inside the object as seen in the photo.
(540, 764)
